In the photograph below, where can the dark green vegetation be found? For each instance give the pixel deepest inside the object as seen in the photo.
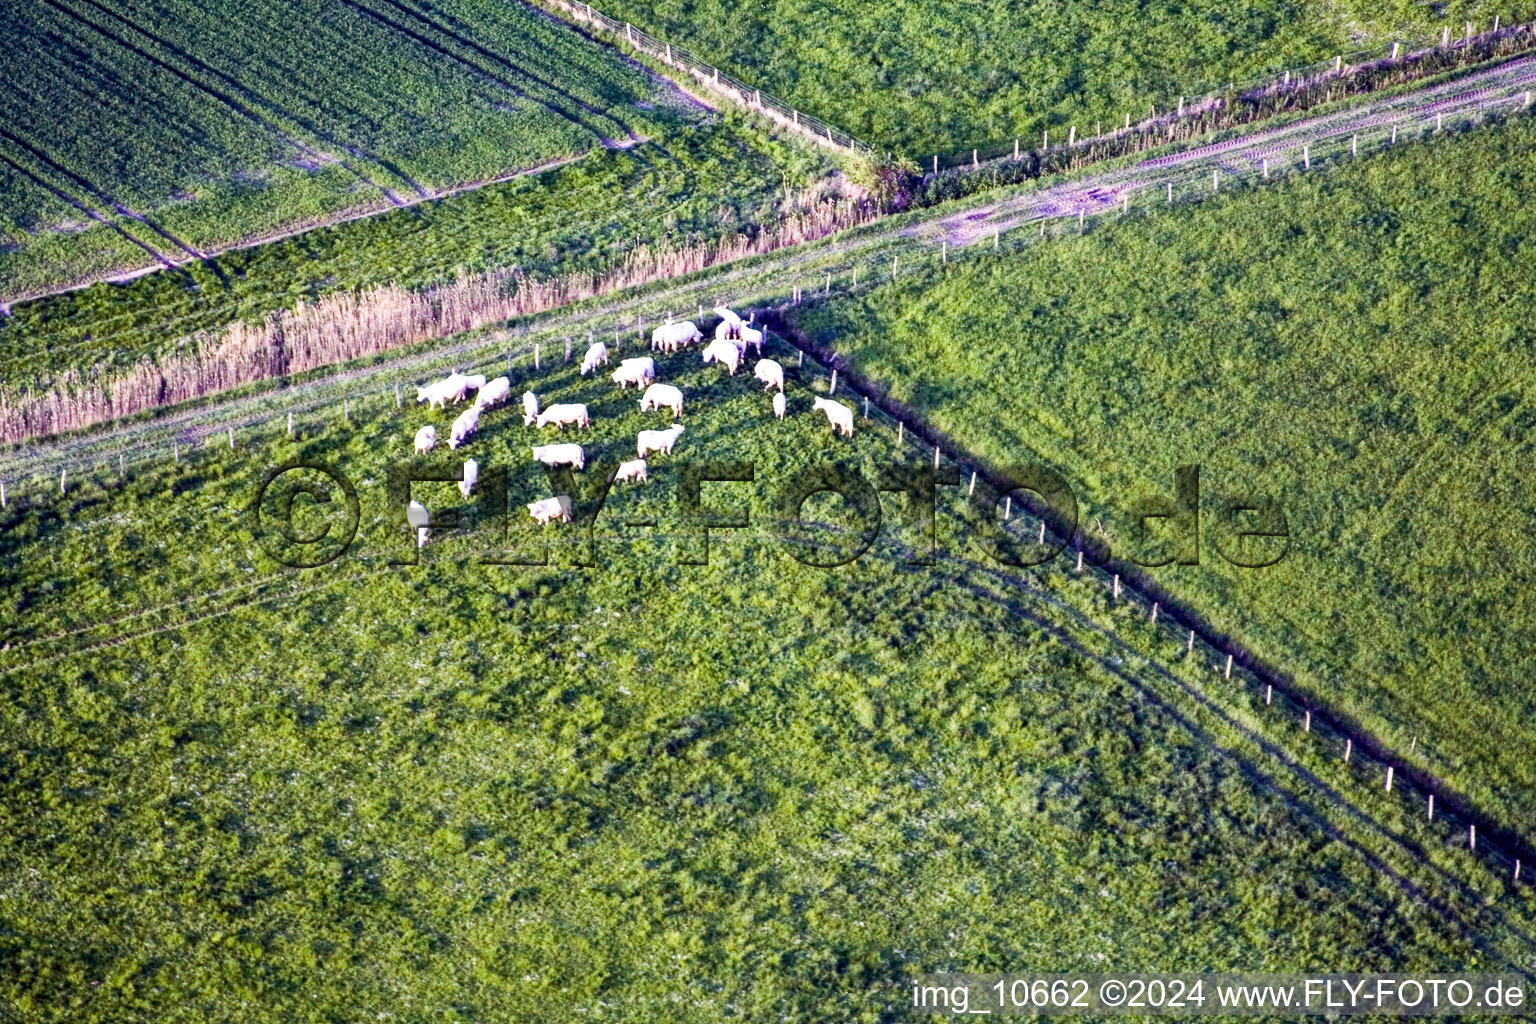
(692, 187)
(641, 792)
(943, 77)
(1356, 343)
(194, 126)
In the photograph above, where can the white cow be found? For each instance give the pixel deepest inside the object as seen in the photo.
(634, 469)
(638, 371)
(778, 405)
(663, 396)
(770, 373)
(752, 336)
(658, 440)
(560, 415)
(671, 337)
(475, 382)
(597, 355)
(415, 511)
(727, 330)
(560, 455)
(494, 393)
(549, 509)
(426, 437)
(470, 478)
(724, 313)
(530, 408)
(465, 426)
(725, 352)
(838, 414)
(451, 388)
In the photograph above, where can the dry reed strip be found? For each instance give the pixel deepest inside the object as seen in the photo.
(350, 325)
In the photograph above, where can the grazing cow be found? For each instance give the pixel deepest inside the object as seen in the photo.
(560, 455)
(597, 355)
(770, 373)
(634, 469)
(638, 371)
(725, 352)
(426, 438)
(547, 510)
(470, 478)
(416, 512)
(451, 388)
(658, 440)
(751, 336)
(560, 415)
(475, 382)
(494, 393)
(838, 414)
(724, 313)
(672, 337)
(530, 408)
(778, 405)
(727, 330)
(465, 426)
(663, 396)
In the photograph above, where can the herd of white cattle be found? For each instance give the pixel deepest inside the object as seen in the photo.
(732, 338)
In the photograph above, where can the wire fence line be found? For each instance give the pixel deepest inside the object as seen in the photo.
(1184, 648)
(710, 77)
(1205, 98)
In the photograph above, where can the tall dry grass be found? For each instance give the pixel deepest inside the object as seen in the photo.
(346, 326)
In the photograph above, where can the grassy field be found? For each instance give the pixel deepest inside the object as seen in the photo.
(691, 187)
(183, 125)
(1354, 343)
(944, 77)
(641, 791)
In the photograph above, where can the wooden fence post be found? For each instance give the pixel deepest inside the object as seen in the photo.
(972, 489)
(935, 456)
(1229, 666)
(1349, 747)
(1306, 157)
(1472, 836)
(122, 473)
(1306, 725)
(3, 502)
(1079, 559)
(1394, 51)
(1154, 603)
(975, 163)
(231, 438)
(63, 476)
(1389, 778)
(176, 453)
(1269, 693)
(1007, 508)
(397, 400)
(866, 407)
(1117, 584)
(1431, 814)
(832, 390)
(1015, 148)
(567, 349)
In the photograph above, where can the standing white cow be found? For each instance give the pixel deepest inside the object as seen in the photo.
(658, 440)
(494, 393)
(778, 405)
(560, 415)
(770, 373)
(727, 314)
(469, 478)
(751, 336)
(560, 455)
(638, 371)
(727, 330)
(426, 438)
(451, 388)
(724, 352)
(672, 337)
(838, 414)
(663, 396)
(465, 426)
(550, 509)
(530, 408)
(634, 469)
(597, 355)
(416, 512)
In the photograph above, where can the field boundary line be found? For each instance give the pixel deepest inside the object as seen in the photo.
(1500, 843)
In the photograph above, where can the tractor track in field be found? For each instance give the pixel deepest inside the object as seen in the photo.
(235, 95)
